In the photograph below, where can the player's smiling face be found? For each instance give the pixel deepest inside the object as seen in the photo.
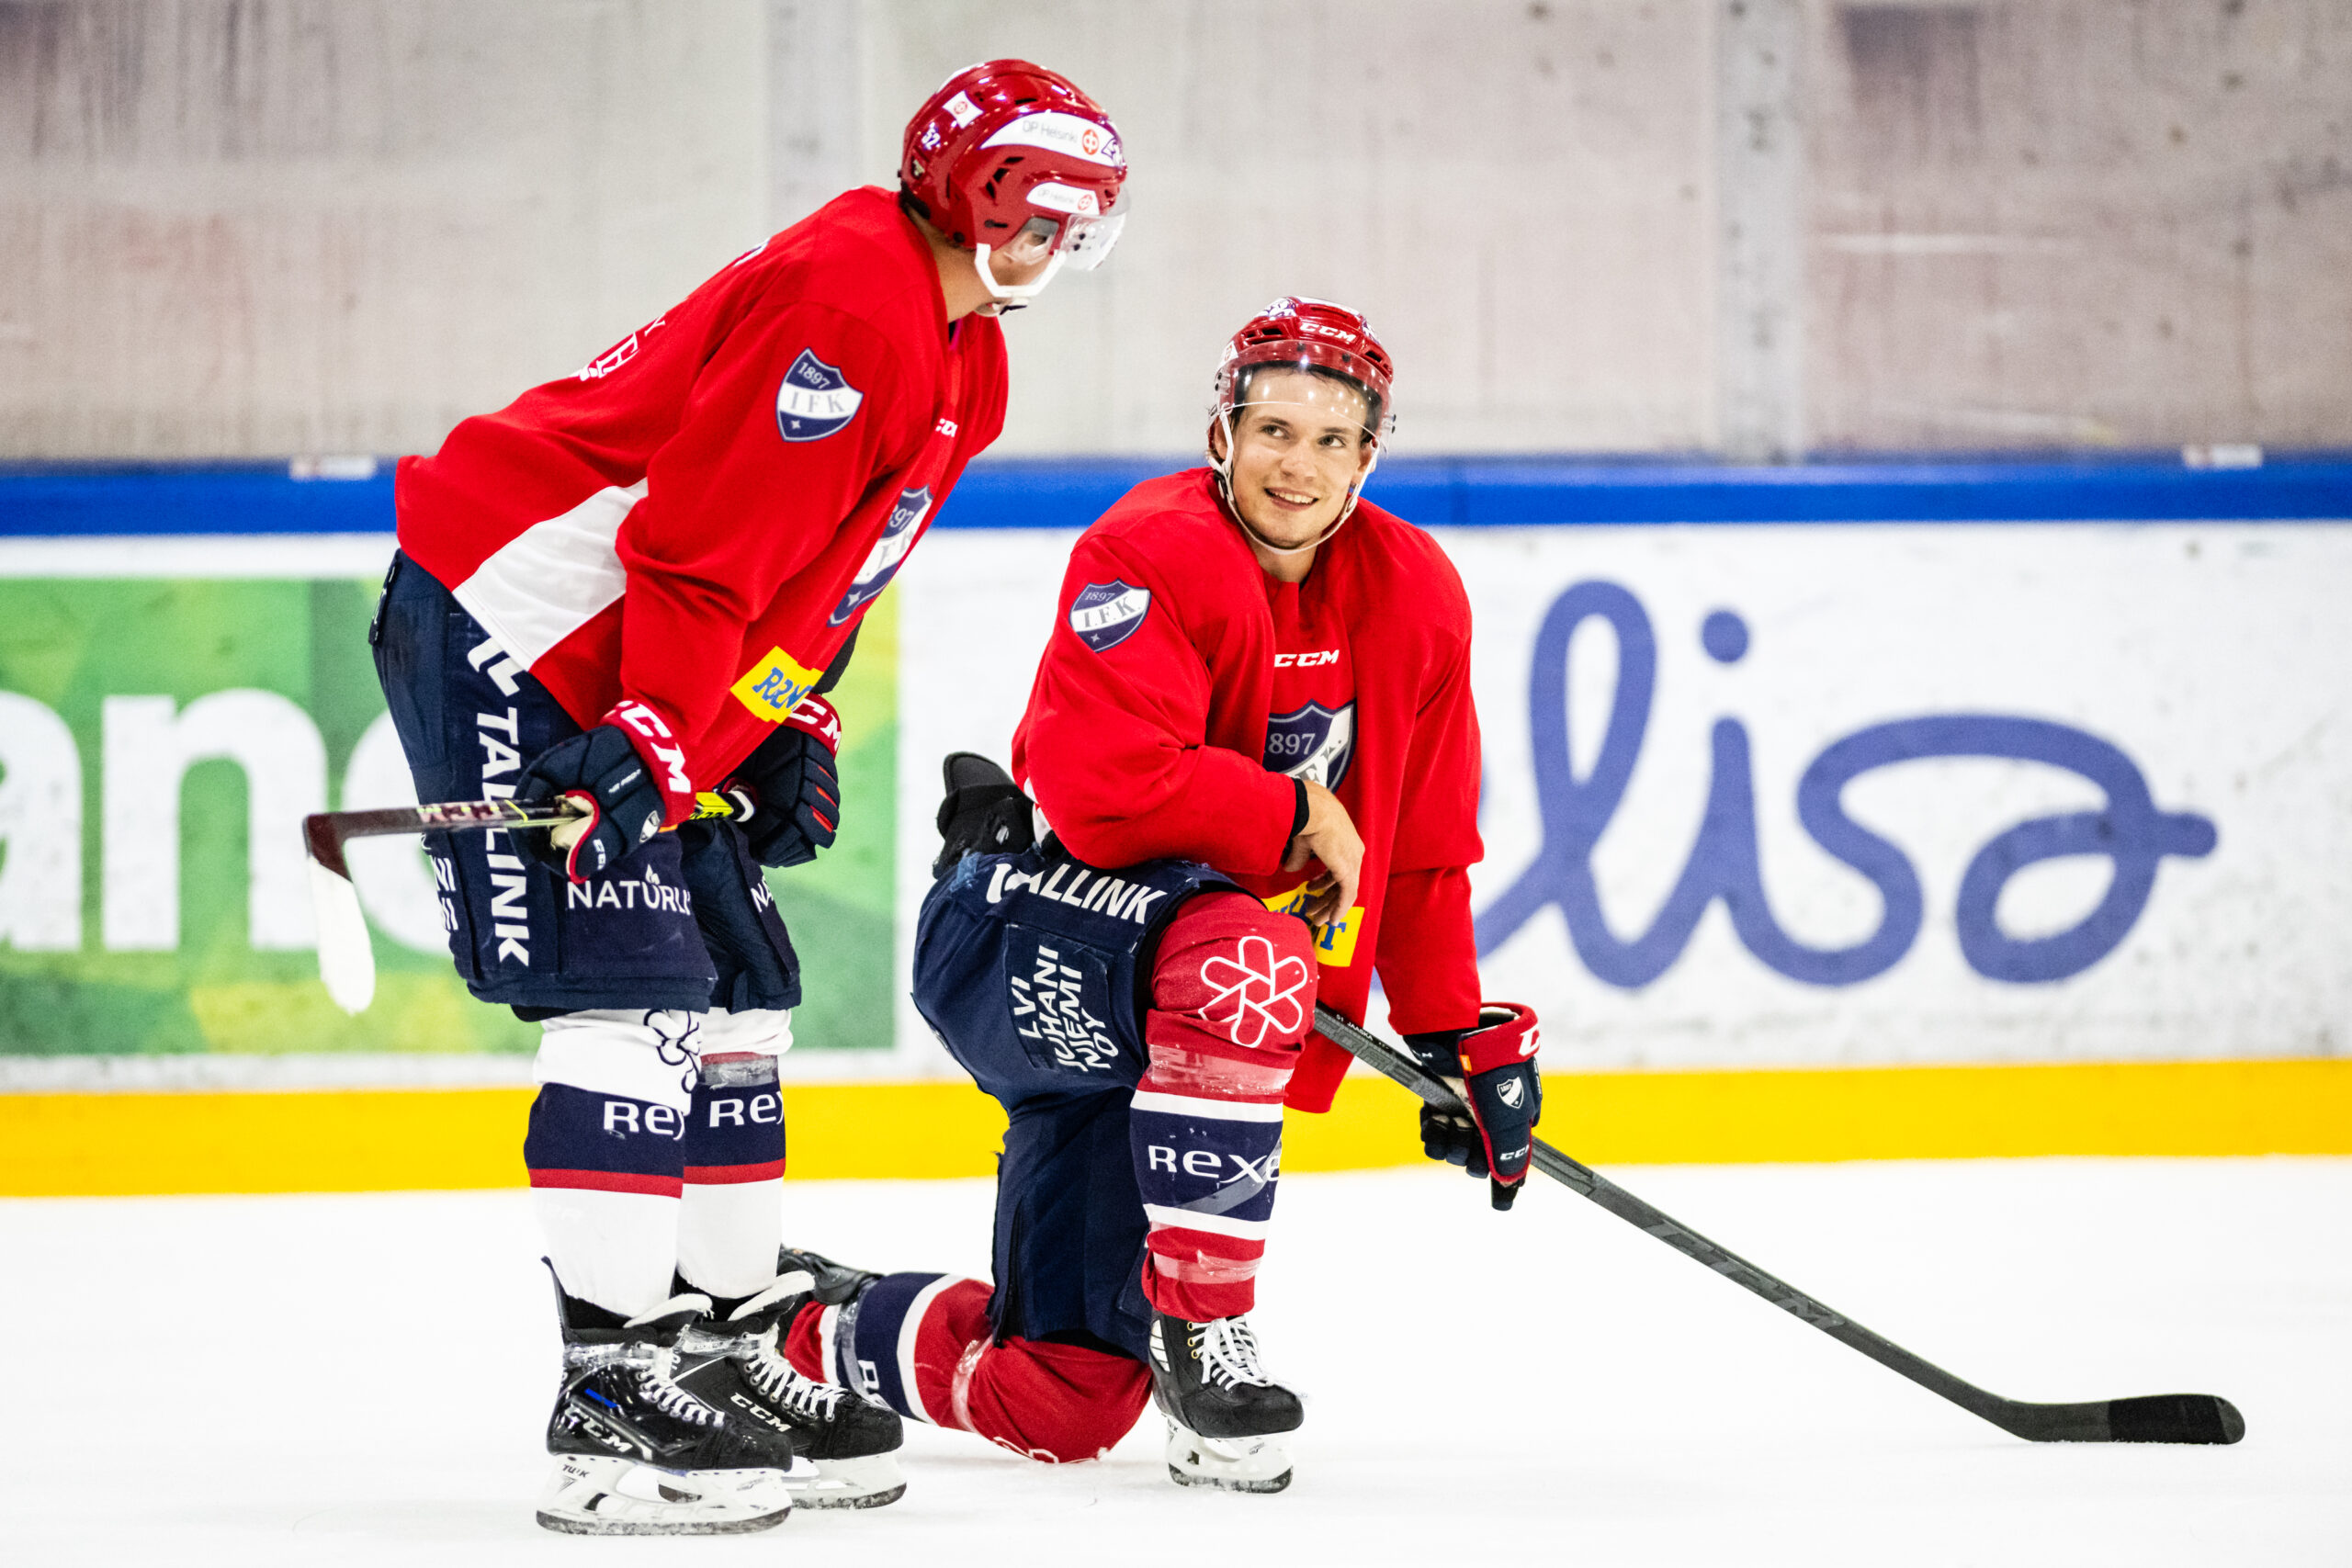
(1298, 446)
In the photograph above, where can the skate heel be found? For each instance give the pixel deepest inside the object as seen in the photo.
(597, 1495)
(1229, 1464)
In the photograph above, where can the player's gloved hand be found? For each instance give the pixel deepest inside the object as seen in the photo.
(600, 770)
(1492, 1067)
(796, 787)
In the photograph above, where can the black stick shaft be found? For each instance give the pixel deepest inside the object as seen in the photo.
(2178, 1419)
(325, 832)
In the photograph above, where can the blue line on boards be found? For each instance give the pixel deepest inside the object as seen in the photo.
(354, 495)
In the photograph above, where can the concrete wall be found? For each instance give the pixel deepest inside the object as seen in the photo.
(254, 227)
(2081, 221)
(290, 225)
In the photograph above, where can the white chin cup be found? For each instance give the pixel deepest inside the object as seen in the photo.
(1006, 293)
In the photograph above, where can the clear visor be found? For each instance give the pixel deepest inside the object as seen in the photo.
(1304, 394)
(1088, 241)
(1085, 235)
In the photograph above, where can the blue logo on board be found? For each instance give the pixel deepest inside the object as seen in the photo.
(882, 561)
(1315, 743)
(1105, 614)
(2128, 829)
(814, 399)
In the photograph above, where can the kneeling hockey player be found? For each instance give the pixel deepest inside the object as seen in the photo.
(633, 584)
(1252, 752)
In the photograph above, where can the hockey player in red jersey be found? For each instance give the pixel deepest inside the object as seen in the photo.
(635, 583)
(1254, 758)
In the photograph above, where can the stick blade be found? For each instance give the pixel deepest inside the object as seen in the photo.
(347, 957)
(2175, 1418)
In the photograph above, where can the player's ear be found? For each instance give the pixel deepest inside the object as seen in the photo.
(1216, 441)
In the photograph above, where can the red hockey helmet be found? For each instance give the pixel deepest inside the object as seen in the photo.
(1005, 148)
(1326, 340)
(1316, 335)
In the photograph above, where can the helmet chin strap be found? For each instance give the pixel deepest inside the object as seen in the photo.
(1223, 469)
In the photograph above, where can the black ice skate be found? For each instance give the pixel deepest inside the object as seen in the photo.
(737, 1363)
(637, 1454)
(1227, 1421)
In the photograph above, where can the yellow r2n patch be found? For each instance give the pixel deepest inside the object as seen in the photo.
(1335, 944)
(774, 684)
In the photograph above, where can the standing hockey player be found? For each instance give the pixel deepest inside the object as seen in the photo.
(635, 583)
(1253, 755)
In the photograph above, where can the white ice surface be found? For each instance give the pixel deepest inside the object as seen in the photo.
(363, 1379)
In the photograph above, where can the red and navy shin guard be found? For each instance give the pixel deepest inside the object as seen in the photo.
(1233, 994)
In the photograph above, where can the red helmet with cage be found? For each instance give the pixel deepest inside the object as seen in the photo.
(1323, 339)
(1006, 149)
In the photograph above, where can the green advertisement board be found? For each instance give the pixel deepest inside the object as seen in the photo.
(161, 739)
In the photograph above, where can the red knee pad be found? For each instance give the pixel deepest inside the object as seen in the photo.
(1232, 977)
(1057, 1403)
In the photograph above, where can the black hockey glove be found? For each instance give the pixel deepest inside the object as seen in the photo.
(796, 787)
(984, 812)
(1492, 1067)
(601, 769)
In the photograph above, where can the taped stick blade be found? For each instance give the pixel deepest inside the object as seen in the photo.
(346, 958)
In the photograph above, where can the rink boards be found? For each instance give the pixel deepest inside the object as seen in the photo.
(1901, 811)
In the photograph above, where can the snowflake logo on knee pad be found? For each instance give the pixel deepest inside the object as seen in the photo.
(1264, 991)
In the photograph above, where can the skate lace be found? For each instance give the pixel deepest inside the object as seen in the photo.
(1228, 1353)
(655, 1385)
(780, 1382)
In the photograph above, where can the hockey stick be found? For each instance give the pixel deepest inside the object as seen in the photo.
(347, 957)
(2150, 1418)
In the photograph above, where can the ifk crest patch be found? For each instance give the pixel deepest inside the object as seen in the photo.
(883, 560)
(1105, 614)
(1313, 743)
(814, 399)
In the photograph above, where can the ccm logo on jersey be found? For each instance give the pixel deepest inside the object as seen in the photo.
(1105, 614)
(1314, 660)
(814, 399)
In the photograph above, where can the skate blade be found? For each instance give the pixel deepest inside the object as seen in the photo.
(1229, 1464)
(594, 1496)
(868, 1481)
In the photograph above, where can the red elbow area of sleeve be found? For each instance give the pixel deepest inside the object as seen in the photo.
(1314, 1082)
(1429, 952)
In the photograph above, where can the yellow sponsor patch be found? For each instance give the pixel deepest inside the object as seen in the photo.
(1335, 944)
(774, 684)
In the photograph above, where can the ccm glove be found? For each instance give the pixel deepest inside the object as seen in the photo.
(795, 784)
(1492, 1067)
(599, 770)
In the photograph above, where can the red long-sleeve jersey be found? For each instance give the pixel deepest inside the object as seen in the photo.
(1146, 734)
(697, 519)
